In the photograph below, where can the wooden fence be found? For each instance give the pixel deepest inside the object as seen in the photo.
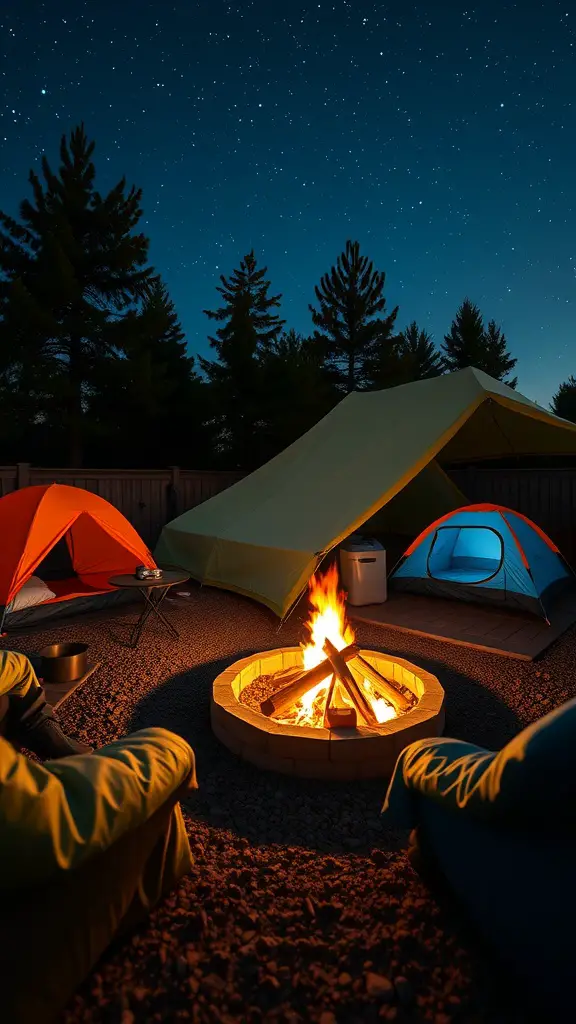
(548, 496)
(151, 498)
(148, 498)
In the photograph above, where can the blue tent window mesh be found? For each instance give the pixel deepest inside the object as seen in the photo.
(465, 554)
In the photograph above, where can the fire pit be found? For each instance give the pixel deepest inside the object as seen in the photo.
(327, 709)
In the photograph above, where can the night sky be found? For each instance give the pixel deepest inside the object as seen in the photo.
(442, 136)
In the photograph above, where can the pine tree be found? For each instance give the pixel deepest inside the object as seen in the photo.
(464, 344)
(414, 357)
(469, 343)
(70, 268)
(20, 414)
(564, 401)
(156, 358)
(419, 357)
(250, 328)
(152, 386)
(498, 361)
(297, 391)
(350, 329)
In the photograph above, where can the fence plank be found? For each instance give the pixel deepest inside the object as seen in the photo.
(8, 479)
(148, 498)
(151, 498)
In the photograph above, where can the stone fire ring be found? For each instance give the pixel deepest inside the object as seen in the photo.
(361, 753)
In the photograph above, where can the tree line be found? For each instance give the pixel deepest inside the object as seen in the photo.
(94, 367)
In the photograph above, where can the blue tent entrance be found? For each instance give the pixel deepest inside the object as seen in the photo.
(487, 554)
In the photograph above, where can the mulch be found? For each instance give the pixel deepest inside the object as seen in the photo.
(302, 905)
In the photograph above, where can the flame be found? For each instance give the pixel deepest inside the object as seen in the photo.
(328, 622)
(327, 619)
(382, 709)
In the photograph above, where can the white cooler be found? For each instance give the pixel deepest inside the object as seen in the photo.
(363, 570)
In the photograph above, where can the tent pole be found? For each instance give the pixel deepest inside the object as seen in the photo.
(542, 608)
(397, 564)
(491, 403)
(284, 620)
(571, 571)
(320, 556)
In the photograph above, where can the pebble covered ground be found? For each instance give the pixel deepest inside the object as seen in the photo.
(302, 905)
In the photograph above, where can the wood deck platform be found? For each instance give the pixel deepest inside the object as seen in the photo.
(487, 629)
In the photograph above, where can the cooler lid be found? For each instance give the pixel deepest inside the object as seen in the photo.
(357, 543)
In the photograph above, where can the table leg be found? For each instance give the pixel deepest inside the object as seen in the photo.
(160, 615)
(152, 606)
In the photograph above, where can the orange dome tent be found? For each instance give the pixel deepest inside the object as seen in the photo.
(100, 540)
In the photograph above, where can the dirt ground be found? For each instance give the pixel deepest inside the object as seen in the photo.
(302, 905)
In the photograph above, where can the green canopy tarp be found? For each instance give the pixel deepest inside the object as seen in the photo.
(265, 535)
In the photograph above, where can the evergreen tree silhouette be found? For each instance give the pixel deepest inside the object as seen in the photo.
(350, 329)
(297, 390)
(564, 401)
(464, 344)
(152, 386)
(70, 267)
(498, 361)
(156, 361)
(414, 357)
(419, 357)
(249, 328)
(469, 343)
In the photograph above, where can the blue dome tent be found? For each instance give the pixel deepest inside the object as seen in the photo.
(486, 554)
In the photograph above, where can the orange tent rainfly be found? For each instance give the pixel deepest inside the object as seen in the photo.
(100, 541)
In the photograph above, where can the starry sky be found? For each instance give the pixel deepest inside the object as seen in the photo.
(440, 135)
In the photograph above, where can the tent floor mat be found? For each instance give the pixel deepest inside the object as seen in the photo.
(496, 631)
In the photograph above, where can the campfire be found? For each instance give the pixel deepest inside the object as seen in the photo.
(336, 687)
(325, 709)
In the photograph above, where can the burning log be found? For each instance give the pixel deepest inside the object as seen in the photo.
(283, 699)
(306, 696)
(398, 700)
(329, 701)
(360, 701)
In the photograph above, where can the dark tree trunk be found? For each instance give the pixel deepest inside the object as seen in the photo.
(75, 443)
(75, 449)
(351, 382)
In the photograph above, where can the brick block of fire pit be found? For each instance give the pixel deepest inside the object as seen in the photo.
(361, 743)
(227, 738)
(362, 752)
(298, 741)
(241, 723)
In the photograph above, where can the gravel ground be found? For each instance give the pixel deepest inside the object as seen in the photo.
(302, 905)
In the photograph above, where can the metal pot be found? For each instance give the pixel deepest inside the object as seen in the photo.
(63, 663)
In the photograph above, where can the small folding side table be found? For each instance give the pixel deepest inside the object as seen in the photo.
(153, 591)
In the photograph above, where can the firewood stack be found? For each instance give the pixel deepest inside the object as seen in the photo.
(349, 668)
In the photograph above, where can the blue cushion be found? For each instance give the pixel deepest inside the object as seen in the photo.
(532, 781)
